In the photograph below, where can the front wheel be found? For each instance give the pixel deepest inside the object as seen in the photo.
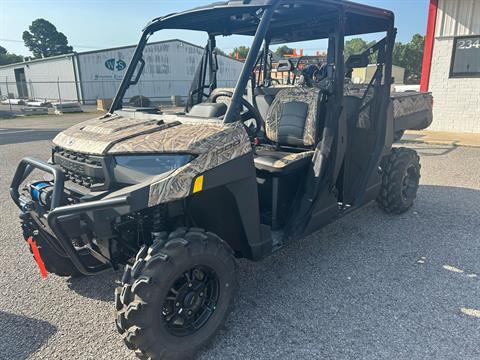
(177, 294)
(401, 178)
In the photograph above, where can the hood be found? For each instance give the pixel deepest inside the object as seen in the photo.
(156, 133)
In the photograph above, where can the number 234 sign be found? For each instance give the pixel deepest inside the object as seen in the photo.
(468, 44)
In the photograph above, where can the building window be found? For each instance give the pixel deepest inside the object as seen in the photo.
(466, 57)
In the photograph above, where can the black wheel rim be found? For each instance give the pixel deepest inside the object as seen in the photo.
(410, 183)
(191, 301)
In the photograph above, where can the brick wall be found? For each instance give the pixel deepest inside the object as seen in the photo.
(456, 101)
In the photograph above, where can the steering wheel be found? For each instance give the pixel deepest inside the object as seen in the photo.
(245, 115)
(313, 75)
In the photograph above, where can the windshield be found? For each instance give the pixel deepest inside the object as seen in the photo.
(179, 72)
(170, 73)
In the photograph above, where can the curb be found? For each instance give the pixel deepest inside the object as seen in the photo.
(452, 143)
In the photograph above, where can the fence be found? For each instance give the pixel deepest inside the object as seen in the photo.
(87, 92)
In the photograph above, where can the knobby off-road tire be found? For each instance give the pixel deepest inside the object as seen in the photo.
(152, 318)
(401, 177)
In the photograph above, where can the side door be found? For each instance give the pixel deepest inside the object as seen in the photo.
(370, 119)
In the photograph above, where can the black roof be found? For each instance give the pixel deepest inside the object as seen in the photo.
(294, 20)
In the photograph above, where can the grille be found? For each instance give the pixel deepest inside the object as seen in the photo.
(83, 158)
(81, 169)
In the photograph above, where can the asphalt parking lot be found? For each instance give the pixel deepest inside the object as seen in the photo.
(370, 286)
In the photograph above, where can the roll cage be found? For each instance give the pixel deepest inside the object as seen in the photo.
(269, 22)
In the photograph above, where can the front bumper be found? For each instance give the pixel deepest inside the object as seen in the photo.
(60, 217)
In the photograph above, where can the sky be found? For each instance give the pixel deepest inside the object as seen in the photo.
(99, 24)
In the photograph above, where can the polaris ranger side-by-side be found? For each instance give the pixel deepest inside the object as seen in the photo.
(176, 197)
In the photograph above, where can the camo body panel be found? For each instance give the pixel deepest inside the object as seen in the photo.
(221, 144)
(310, 96)
(194, 138)
(409, 104)
(404, 104)
(96, 136)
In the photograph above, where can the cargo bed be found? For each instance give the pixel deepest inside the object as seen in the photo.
(412, 110)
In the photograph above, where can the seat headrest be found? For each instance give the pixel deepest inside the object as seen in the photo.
(294, 124)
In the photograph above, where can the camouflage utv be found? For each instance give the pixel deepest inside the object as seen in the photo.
(243, 172)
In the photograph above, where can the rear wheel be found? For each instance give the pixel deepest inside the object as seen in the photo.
(401, 178)
(177, 294)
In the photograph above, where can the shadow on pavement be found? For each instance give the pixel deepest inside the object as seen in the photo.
(100, 287)
(19, 136)
(429, 150)
(356, 289)
(22, 336)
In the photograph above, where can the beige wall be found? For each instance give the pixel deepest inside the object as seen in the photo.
(456, 100)
(364, 75)
(458, 17)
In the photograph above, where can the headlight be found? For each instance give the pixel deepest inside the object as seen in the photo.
(132, 169)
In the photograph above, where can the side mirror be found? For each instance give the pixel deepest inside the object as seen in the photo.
(285, 65)
(357, 61)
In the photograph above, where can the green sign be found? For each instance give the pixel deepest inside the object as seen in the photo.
(115, 64)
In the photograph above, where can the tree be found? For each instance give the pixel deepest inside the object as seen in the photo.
(44, 40)
(7, 58)
(354, 46)
(283, 50)
(242, 52)
(414, 58)
(410, 56)
(357, 46)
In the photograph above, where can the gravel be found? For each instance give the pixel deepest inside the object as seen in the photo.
(370, 286)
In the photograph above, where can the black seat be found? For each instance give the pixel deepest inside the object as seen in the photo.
(264, 97)
(292, 122)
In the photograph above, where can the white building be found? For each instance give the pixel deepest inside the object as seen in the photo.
(451, 66)
(88, 76)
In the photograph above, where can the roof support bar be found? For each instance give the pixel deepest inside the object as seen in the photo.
(233, 109)
(126, 82)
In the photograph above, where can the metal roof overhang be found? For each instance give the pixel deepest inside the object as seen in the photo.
(294, 20)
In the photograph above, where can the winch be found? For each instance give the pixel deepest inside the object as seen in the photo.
(41, 192)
